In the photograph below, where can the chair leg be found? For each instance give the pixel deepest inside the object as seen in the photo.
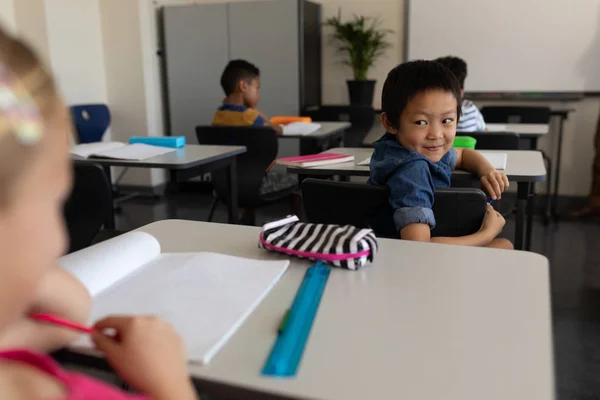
(547, 217)
(213, 206)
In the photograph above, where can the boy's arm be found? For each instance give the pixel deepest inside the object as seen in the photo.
(278, 129)
(422, 233)
(492, 181)
(491, 226)
(58, 293)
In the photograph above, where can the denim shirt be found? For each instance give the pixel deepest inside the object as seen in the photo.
(412, 180)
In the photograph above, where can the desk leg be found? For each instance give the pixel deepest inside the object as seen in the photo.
(232, 209)
(308, 146)
(522, 196)
(109, 223)
(530, 205)
(557, 174)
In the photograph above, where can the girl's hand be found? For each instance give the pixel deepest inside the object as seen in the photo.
(492, 224)
(494, 183)
(148, 354)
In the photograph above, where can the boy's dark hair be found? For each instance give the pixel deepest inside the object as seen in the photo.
(458, 66)
(405, 81)
(235, 71)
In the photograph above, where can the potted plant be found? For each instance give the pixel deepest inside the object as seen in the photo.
(362, 40)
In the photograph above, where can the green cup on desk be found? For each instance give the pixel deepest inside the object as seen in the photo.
(465, 142)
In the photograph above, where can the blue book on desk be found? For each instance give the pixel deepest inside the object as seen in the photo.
(163, 141)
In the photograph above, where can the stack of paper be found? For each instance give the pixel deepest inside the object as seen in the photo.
(119, 151)
(301, 128)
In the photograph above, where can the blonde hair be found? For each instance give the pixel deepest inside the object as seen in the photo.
(27, 69)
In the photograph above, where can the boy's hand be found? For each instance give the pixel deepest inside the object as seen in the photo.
(493, 222)
(148, 354)
(494, 183)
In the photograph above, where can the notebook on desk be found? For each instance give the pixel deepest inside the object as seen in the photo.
(314, 160)
(301, 128)
(119, 151)
(205, 296)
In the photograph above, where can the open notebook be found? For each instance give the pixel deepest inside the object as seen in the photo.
(301, 128)
(498, 160)
(118, 150)
(205, 296)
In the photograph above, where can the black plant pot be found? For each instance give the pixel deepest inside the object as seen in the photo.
(361, 92)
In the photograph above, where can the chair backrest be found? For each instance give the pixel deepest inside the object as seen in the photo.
(516, 114)
(458, 211)
(261, 149)
(91, 121)
(88, 206)
(494, 140)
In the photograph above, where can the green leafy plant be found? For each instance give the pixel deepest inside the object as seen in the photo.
(362, 39)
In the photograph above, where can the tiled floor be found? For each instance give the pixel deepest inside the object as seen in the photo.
(573, 249)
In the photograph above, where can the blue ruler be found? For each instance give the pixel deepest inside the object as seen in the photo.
(287, 351)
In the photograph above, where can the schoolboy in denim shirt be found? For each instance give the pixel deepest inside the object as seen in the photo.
(421, 103)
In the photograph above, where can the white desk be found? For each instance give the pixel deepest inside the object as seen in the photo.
(330, 134)
(327, 129)
(524, 130)
(531, 132)
(424, 322)
(183, 164)
(523, 166)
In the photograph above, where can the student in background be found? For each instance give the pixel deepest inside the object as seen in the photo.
(241, 83)
(421, 104)
(35, 178)
(471, 119)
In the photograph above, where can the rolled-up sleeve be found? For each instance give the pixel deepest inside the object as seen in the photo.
(451, 158)
(412, 195)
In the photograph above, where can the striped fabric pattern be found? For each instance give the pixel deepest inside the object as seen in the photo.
(471, 119)
(342, 246)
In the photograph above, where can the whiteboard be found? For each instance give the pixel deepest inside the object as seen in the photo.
(512, 45)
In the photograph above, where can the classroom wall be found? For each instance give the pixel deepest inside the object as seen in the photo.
(7, 15)
(75, 48)
(125, 46)
(30, 19)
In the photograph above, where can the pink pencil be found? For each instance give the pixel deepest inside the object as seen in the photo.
(53, 319)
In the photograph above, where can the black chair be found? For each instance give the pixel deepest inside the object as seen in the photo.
(261, 149)
(88, 206)
(458, 211)
(523, 115)
(360, 117)
(494, 140)
(516, 114)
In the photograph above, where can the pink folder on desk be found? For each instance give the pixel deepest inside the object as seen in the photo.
(314, 160)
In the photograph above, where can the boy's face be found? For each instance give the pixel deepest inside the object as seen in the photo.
(427, 124)
(251, 91)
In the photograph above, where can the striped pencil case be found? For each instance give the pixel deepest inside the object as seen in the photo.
(343, 246)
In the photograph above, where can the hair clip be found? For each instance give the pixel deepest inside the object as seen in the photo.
(19, 109)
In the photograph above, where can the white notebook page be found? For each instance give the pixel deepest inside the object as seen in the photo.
(301, 128)
(87, 149)
(102, 265)
(136, 152)
(205, 296)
